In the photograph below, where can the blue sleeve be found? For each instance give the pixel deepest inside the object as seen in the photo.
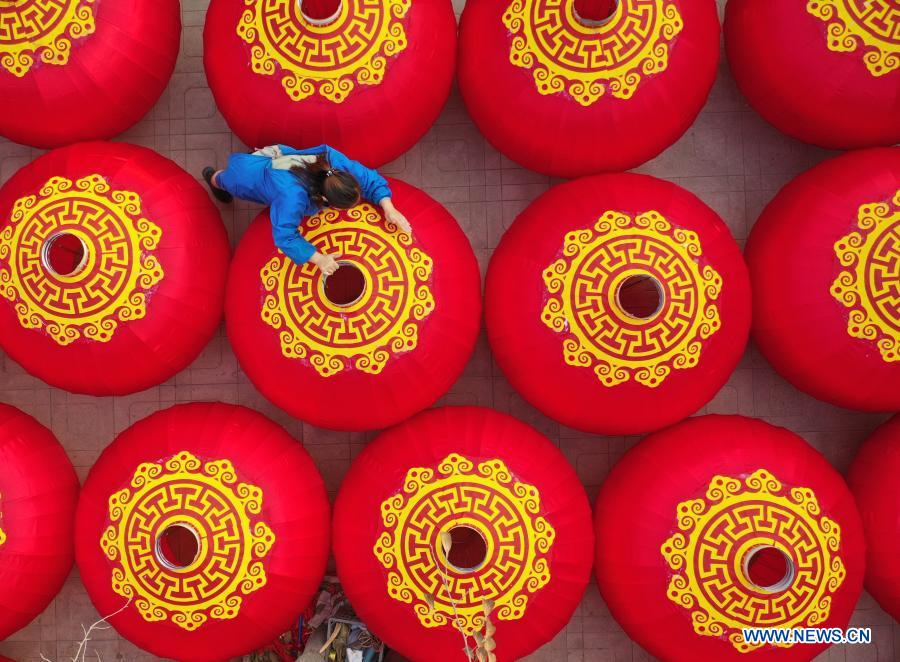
(286, 215)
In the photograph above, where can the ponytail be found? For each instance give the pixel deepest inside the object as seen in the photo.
(327, 185)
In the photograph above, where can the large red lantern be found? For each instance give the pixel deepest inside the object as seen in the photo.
(824, 260)
(74, 70)
(617, 304)
(453, 509)
(210, 523)
(722, 523)
(112, 268)
(368, 78)
(873, 478)
(824, 71)
(38, 493)
(384, 337)
(572, 88)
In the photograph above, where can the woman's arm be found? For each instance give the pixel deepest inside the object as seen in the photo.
(285, 218)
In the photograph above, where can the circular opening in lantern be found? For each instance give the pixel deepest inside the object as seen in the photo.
(320, 12)
(177, 546)
(64, 254)
(345, 286)
(468, 550)
(768, 568)
(640, 296)
(593, 13)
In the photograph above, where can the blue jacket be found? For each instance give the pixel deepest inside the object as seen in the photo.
(252, 177)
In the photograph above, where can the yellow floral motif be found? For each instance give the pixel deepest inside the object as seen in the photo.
(206, 497)
(869, 281)
(364, 335)
(872, 26)
(484, 497)
(41, 28)
(326, 59)
(568, 55)
(598, 333)
(119, 269)
(718, 533)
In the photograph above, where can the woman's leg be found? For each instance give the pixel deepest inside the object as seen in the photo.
(210, 174)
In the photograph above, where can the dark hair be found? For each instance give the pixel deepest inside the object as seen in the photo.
(326, 185)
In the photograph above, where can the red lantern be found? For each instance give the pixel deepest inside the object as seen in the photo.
(384, 337)
(574, 88)
(825, 265)
(617, 304)
(38, 493)
(75, 70)
(722, 523)
(455, 508)
(210, 523)
(873, 479)
(824, 71)
(112, 268)
(368, 78)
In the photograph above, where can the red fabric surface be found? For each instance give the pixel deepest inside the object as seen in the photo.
(294, 505)
(873, 478)
(183, 309)
(352, 399)
(636, 513)
(779, 55)
(554, 134)
(38, 493)
(797, 323)
(112, 79)
(374, 124)
(531, 354)
(477, 434)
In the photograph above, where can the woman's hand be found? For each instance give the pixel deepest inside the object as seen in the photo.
(327, 264)
(393, 216)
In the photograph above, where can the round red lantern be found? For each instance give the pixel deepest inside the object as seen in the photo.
(384, 337)
(824, 71)
(578, 87)
(617, 304)
(824, 261)
(112, 268)
(210, 523)
(74, 70)
(873, 479)
(368, 78)
(455, 510)
(38, 493)
(722, 523)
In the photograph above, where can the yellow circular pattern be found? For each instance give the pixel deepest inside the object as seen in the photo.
(717, 532)
(120, 270)
(383, 323)
(872, 26)
(484, 497)
(41, 28)
(326, 59)
(869, 281)
(233, 540)
(565, 55)
(582, 305)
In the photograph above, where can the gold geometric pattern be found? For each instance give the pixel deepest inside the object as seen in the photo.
(366, 334)
(43, 28)
(487, 498)
(232, 540)
(718, 533)
(584, 61)
(872, 26)
(869, 282)
(119, 270)
(326, 59)
(598, 333)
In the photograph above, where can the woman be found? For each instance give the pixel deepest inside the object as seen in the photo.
(297, 183)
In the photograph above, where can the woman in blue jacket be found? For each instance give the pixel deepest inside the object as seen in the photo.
(297, 183)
